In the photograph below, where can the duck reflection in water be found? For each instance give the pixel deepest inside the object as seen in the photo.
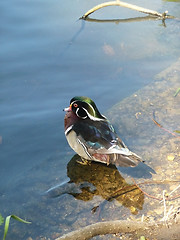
(87, 181)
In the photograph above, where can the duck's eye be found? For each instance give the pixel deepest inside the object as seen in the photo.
(75, 105)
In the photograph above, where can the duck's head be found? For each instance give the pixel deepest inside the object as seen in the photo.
(84, 108)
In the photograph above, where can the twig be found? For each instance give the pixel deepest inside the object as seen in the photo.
(156, 198)
(164, 203)
(127, 5)
(159, 125)
(169, 213)
(145, 193)
(174, 197)
(174, 190)
(166, 214)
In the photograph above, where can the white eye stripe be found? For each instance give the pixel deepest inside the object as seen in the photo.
(93, 117)
(73, 102)
(88, 114)
(77, 112)
(92, 108)
(79, 115)
(84, 108)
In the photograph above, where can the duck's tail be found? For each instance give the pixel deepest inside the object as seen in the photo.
(130, 160)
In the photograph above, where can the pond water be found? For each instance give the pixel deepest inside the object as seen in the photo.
(47, 57)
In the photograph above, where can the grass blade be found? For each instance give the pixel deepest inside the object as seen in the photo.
(6, 225)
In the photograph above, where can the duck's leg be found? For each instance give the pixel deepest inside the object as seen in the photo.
(83, 161)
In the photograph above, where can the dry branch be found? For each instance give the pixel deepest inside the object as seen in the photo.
(127, 5)
(108, 227)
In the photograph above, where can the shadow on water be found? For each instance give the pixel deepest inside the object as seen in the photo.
(74, 37)
(116, 21)
(140, 171)
(86, 181)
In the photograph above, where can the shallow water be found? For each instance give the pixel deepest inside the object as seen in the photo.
(48, 56)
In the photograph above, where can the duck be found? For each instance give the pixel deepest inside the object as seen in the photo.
(91, 135)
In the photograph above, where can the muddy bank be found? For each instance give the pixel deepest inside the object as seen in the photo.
(148, 121)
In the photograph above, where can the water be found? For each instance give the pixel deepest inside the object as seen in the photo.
(48, 56)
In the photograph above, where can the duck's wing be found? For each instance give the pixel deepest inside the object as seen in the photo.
(102, 144)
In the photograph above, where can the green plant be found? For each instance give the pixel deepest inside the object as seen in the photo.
(1, 220)
(7, 221)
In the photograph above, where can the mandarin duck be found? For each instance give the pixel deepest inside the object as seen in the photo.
(92, 137)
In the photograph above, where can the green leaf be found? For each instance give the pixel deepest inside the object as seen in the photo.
(19, 219)
(1, 220)
(6, 226)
